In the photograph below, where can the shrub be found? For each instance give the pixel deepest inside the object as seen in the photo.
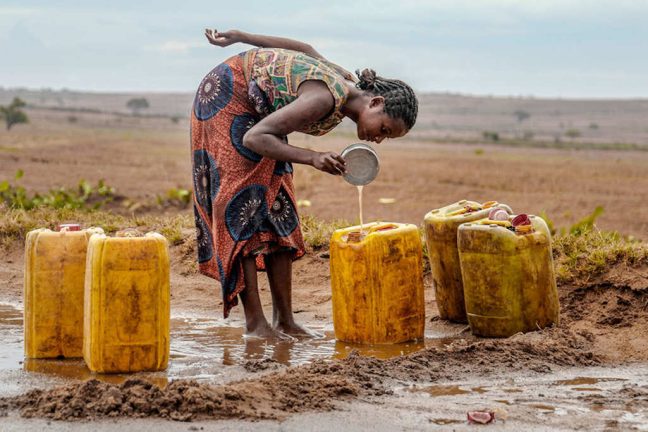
(572, 133)
(84, 196)
(490, 136)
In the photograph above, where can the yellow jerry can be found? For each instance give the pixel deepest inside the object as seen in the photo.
(53, 291)
(126, 322)
(508, 277)
(441, 238)
(377, 283)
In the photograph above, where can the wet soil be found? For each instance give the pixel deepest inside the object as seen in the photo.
(325, 382)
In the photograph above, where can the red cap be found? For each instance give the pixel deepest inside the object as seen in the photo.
(521, 219)
(69, 227)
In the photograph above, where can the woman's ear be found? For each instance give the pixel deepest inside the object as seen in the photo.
(376, 101)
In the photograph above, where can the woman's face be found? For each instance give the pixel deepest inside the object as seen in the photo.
(374, 124)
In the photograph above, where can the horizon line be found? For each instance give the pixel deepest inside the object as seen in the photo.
(419, 93)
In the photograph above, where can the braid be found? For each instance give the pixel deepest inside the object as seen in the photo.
(400, 100)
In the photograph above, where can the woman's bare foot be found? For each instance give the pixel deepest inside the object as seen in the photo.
(268, 333)
(298, 331)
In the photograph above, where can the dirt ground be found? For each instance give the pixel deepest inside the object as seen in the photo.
(142, 158)
(602, 340)
(531, 381)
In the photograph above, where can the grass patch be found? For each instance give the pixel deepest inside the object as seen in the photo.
(578, 255)
(591, 252)
(317, 233)
(16, 223)
(84, 196)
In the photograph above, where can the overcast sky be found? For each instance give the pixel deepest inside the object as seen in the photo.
(545, 48)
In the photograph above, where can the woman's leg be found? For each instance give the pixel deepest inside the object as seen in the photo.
(279, 268)
(255, 321)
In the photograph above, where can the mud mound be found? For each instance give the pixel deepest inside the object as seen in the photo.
(536, 351)
(266, 398)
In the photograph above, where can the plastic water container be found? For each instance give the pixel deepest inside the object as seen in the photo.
(377, 284)
(126, 322)
(53, 291)
(508, 277)
(441, 237)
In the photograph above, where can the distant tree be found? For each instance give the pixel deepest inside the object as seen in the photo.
(12, 114)
(490, 135)
(521, 115)
(137, 104)
(572, 133)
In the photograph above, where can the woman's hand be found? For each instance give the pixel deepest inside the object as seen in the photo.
(223, 39)
(329, 162)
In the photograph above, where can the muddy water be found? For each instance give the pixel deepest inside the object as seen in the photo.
(201, 348)
(554, 401)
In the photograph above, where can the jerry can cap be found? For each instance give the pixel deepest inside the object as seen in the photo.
(129, 232)
(521, 219)
(498, 214)
(69, 227)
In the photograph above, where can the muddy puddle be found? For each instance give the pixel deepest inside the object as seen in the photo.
(201, 348)
(611, 396)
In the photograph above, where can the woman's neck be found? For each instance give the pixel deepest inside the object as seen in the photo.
(354, 103)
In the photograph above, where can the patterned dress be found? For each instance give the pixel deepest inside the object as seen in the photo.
(244, 204)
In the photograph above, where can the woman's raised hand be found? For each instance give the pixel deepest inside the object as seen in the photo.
(222, 39)
(329, 162)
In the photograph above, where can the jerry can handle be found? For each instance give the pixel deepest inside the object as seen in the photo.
(128, 232)
(382, 227)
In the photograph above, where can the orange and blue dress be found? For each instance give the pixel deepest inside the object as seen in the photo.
(244, 204)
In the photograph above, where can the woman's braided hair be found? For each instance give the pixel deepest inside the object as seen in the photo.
(400, 100)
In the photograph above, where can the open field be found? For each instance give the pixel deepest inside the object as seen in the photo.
(145, 157)
(589, 372)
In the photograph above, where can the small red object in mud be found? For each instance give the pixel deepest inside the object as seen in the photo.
(69, 227)
(521, 219)
(481, 417)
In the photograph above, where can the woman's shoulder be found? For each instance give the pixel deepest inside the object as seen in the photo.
(298, 62)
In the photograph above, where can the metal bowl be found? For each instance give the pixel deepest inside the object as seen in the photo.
(362, 164)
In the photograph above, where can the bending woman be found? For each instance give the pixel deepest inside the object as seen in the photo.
(244, 200)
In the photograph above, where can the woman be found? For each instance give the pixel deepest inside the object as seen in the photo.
(244, 202)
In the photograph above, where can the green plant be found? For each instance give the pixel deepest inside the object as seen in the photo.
(137, 104)
(591, 252)
(177, 197)
(521, 115)
(84, 196)
(12, 113)
(572, 133)
(549, 222)
(490, 136)
(587, 223)
(317, 233)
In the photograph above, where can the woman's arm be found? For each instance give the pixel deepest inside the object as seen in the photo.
(265, 138)
(229, 37)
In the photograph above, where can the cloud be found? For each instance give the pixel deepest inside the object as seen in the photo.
(176, 46)
(14, 10)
